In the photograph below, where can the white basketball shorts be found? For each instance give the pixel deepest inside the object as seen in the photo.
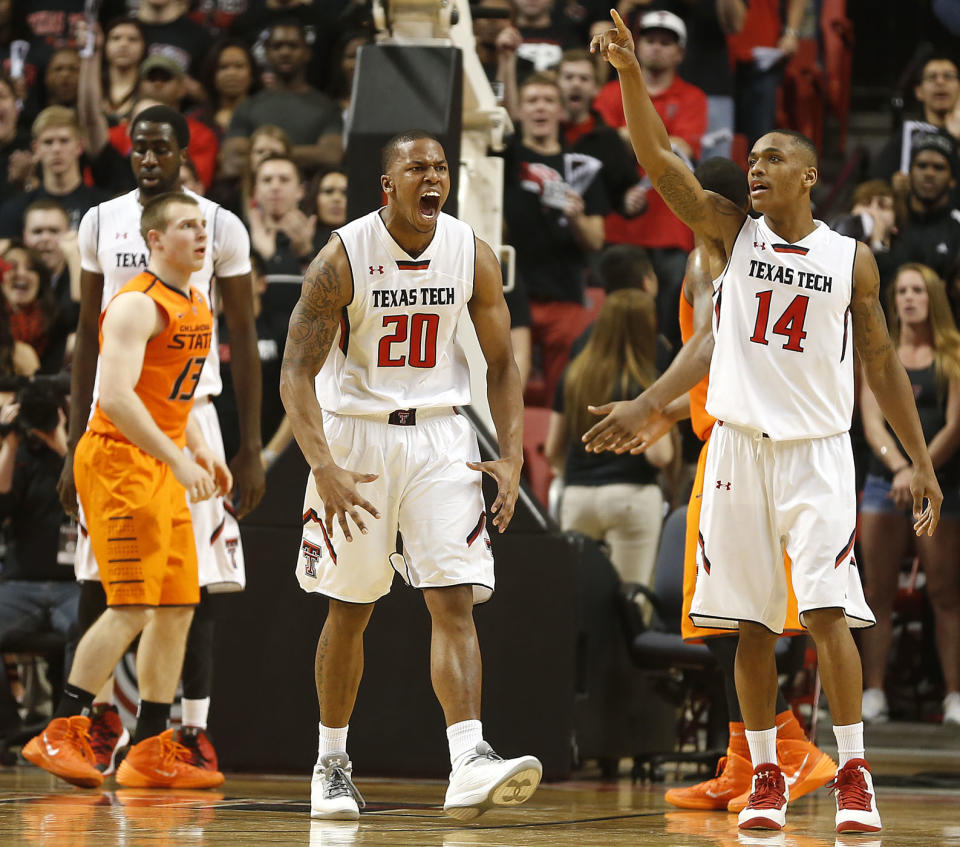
(761, 497)
(424, 491)
(215, 528)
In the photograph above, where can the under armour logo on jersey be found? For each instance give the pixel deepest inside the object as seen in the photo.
(760, 245)
(724, 484)
(377, 269)
(121, 236)
(311, 555)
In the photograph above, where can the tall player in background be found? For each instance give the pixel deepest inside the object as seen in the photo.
(383, 298)
(133, 479)
(112, 252)
(781, 388)
(649, 417)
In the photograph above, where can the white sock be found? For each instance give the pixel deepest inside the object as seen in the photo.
(763, 746)
(463, 737)
(332, 740)
(194, 712)
(849, 742)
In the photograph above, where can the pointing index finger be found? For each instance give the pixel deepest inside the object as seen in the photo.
(621, 26)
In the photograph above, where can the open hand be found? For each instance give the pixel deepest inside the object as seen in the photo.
(622, 422)
(337, 488)
(924, 486)
(507, 474)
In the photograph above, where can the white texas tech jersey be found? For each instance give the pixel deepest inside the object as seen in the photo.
(397, 346)
(783, 360)
(111, 245)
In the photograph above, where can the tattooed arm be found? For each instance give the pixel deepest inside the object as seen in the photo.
(327, 289)
(891, 387)
(715, 219)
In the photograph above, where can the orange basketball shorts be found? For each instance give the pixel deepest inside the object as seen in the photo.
(688, 630)
(139, 524)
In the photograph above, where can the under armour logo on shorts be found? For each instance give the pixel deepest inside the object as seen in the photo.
(724, 484)
(311, 555)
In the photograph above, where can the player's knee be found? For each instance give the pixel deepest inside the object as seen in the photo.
(821, 622)
(348, 618)
(451, 606)
(754, 636)
(131, 619)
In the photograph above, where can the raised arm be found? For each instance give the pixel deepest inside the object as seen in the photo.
(710, 216)
(890, 385)
(491, 319)
(637, 424)
(327, 289)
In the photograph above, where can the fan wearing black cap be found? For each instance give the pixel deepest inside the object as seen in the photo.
(930, 234)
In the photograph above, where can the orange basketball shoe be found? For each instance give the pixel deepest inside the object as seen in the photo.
(201, 748)
(734, 776)
(63, 749)
(805, 768)
(161, 762)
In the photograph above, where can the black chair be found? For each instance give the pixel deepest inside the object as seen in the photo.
(50, 647)
(688, 673)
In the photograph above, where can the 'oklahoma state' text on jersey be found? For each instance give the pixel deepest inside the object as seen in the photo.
(172, 362)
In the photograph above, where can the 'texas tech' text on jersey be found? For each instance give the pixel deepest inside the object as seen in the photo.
(783, 360)
(397, 346)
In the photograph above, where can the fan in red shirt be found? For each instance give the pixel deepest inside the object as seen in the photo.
(661, 41)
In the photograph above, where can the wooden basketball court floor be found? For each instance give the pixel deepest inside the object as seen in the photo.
(38, 809)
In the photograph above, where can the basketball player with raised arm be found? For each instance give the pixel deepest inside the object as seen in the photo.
(112, 252)
(383, 299)
(792, 305)
(133, 478)
(650, 416)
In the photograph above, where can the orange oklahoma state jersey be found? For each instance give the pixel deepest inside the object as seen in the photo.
(172, 361)
(701, 422)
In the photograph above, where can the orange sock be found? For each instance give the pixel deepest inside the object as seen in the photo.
(788, 727)
(738, 740)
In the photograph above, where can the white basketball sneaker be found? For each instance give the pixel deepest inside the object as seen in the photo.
(482, 780)
(333, 796)
(856, 799)
(767, 805)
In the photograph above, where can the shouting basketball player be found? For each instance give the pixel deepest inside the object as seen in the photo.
(791, 300)
(383, 298)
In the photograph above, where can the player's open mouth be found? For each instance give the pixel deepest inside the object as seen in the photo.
(430, 204)
(757, 187)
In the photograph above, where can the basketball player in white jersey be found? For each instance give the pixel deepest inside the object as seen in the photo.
(112, 252)
(383, 299)
(793, 303)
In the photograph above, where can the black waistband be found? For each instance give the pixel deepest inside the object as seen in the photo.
(403, 417)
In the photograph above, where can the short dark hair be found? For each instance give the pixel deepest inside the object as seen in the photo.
(392, 147)
(156, 215)
(278, 157)
(45, 204)
(624, 266)
(726, 178)
(165, 115)
(934, 56)
(288, 22)
(800, 140)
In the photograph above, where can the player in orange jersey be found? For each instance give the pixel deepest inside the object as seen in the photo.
(651, 415)
(133, 479)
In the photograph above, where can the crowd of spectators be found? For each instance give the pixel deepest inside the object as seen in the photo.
(265, 86)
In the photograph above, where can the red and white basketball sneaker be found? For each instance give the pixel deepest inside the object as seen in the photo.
(767, 805)
(856, 799)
